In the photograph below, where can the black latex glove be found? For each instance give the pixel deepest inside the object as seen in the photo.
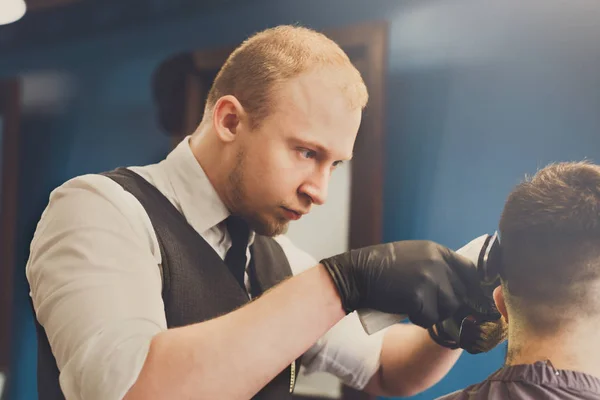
(476, 326)
(421, 279)
(470, 333)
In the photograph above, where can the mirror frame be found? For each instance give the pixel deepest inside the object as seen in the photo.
(10, 109)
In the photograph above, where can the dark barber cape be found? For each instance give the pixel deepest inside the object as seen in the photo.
(197, 284)
(532, 381)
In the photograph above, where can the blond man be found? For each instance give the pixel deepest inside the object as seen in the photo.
(175, 281)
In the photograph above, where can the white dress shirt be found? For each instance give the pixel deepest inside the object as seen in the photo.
(96, 284)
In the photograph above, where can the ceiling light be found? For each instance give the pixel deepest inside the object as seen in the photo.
(11, 11)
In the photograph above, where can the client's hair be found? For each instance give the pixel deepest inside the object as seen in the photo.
(550, 239)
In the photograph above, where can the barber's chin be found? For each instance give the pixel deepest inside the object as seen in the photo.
(283, 229)
(272, 227)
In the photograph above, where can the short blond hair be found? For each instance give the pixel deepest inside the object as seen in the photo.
(270, 57)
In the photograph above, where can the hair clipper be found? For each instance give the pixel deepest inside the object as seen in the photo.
(465, 326)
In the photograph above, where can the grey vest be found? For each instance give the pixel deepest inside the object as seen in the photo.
(197, 285)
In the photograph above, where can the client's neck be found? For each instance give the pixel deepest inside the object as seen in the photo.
(574, 348)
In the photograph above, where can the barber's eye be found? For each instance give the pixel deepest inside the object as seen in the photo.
(308, 153)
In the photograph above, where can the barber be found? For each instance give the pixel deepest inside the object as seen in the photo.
(175, 281)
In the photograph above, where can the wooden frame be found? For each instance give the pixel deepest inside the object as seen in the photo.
(366, 45)
(10, 97)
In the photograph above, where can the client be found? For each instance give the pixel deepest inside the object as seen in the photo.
(549, 261)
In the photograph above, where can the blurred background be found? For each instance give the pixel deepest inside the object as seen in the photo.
(467, 97)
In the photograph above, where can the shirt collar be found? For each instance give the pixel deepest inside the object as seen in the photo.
(198, 200)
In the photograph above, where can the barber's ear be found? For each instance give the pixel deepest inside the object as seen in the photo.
(228, 118)
(500, 302)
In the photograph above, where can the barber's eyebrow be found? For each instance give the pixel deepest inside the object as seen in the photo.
(320, 148)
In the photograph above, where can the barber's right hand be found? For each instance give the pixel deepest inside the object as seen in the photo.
(421, 279)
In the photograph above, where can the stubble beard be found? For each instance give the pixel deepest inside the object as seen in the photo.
(263, 225)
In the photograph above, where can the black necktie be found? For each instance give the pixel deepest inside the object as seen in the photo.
(236, 255)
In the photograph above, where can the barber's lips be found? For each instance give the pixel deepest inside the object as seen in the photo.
(291, 214)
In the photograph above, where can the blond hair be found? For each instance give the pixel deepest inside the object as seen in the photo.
(268, 58)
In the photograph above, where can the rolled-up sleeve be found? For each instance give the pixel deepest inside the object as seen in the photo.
(346, 350)
(96, 286)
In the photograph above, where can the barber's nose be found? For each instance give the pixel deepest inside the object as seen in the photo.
(316, 188)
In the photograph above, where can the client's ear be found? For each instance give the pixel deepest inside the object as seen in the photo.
(500, 303)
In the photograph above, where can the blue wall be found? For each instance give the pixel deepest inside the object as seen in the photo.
(479, 93)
